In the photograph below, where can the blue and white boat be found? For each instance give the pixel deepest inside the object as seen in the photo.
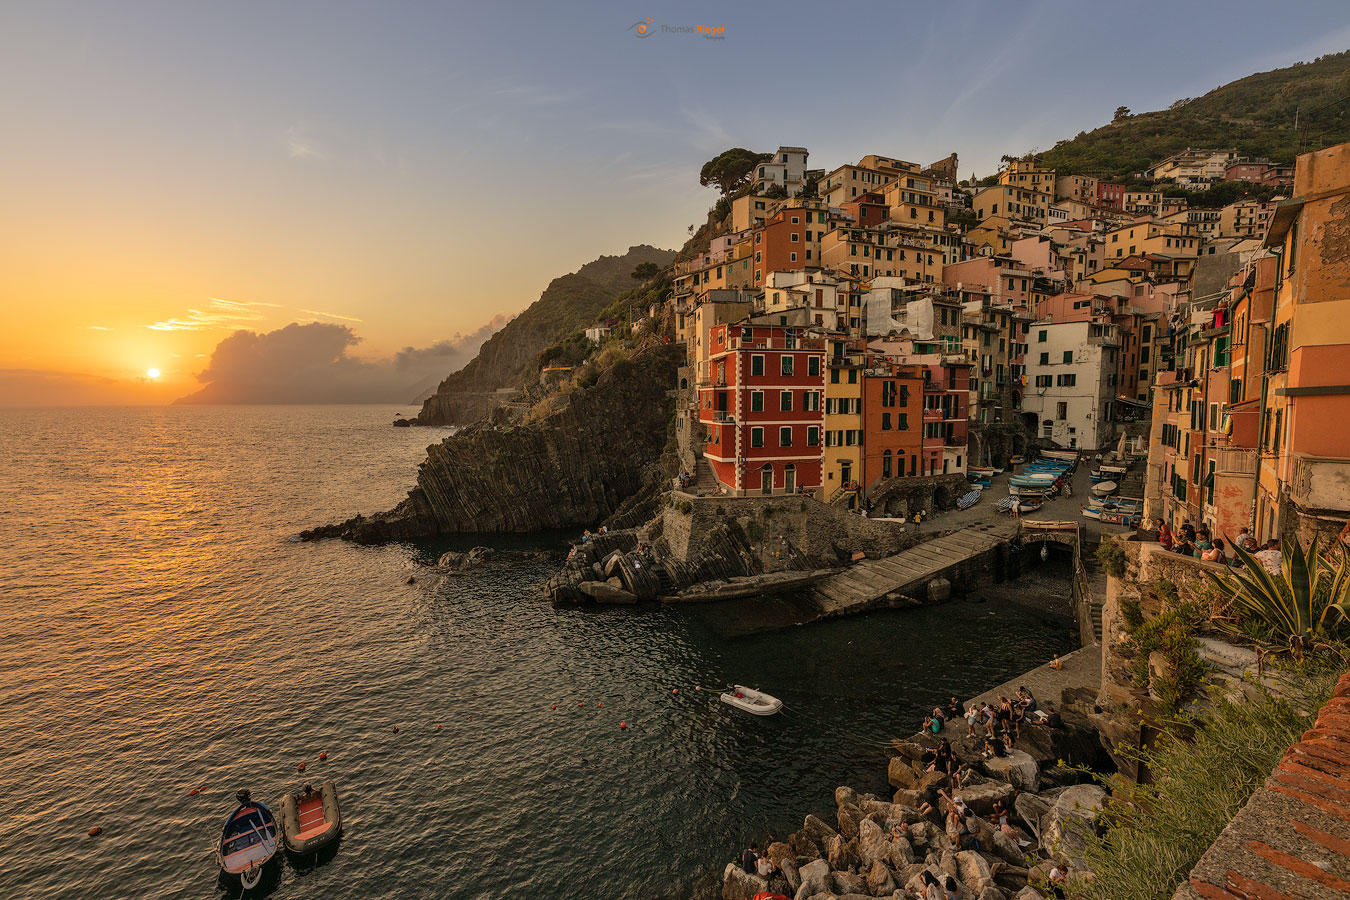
(248, 840)
(969, 499)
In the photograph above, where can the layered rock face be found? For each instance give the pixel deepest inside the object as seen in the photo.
(571, 469)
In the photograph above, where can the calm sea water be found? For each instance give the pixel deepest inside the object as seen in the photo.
(159, 632)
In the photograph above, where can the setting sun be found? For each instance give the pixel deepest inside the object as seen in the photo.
(153, 373)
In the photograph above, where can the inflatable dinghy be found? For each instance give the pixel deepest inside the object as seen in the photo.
(310, 818)
(752, 701)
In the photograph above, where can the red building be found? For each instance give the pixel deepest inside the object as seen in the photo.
(1112, 196)
(867, 209)
(946, 412)
(892, 421)
(760, 400)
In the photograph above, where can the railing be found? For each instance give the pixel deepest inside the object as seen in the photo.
(1236, 461)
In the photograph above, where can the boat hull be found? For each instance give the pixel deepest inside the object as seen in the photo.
(311, 821)
(757, 703)
(248, 841)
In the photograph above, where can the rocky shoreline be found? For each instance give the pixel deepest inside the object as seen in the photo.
(881, 847)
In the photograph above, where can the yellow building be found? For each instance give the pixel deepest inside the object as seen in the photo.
(1025, 174)
(843, 449)
(913, 200)
(1151, 237)
(1018, 204)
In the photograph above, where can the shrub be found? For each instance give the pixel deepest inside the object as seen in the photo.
(1173, 633)
(1132, 612)
(1111, 557)
(686, 507)
(1155, 833)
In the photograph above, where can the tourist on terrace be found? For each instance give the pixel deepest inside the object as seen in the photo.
(1271, 557)
(1164, 535)
(1215, 553)
(1026, 698)
(1203, 543)
(1188, 531)
(1052, 718)
(1185, 546)
(989, 718)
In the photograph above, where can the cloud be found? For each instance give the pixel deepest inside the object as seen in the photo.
(218, 314)
(301, 144)
(99, 328)
(311, 363)
(328, 315)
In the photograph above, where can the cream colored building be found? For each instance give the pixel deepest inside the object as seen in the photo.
(1025, 174)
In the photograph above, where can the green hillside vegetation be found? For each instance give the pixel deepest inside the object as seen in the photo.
(1255, 114)
(510, 358)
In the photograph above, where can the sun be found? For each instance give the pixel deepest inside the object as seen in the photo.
(153, 373)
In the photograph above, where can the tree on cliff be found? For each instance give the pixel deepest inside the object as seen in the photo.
(646, 271)
(1121, 114)
(730, 169)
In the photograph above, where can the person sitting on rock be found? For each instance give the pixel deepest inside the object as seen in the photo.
(995, 747)
(1164, 535)
(1000, 813)
(764, 867)
(750, 858)
(1055, 663)
(953, 709)
(952, 889)
(1052, 718)
(932, 888)
(586, 536)
(1027, 699)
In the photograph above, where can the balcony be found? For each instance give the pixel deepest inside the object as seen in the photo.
(1236, 461)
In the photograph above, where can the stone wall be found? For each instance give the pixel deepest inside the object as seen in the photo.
(780, 529)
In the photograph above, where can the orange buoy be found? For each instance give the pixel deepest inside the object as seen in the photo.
(300, 767)
(599, 704)
(194, 792)
(470, 718)
(555, 706)
(674, 690)
(697, 688)
(582, 703)
(623, 724)
(438, 728)
(96, 831)
(323, 754)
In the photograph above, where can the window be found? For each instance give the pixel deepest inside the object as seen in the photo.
(1045, 359)
(902, 421)
(852, 376)
(886, 464)
(1067, 380)
(1043, 381)
(757, 401)
(785, 436)
(1068, 356)
(886, 421)
(813, 366)
(786, 365)
(834, 376)
(757, 364)
(1042, 337)
(812, 436)
(795, 236)
(1062, 411)
(756, 437)
(811, 401)
(785, 401)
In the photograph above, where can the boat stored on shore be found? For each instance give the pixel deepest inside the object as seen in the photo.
(248, 840)
(752, 701)
(310, 818)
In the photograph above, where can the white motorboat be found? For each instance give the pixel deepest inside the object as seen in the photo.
(749, 700)
(1103, 488)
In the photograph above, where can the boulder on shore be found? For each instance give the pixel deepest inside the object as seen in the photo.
(737, 884)
(1017, 769)
(603, 592)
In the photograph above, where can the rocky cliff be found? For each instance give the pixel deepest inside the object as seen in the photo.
(571, 468)
(509, 359)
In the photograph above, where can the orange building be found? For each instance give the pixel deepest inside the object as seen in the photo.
(892, 396)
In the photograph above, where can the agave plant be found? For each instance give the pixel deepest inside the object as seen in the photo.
(1308, 601)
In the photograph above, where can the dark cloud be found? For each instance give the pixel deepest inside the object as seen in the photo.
(311, 363)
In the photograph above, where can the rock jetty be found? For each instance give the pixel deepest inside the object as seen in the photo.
(882, 846)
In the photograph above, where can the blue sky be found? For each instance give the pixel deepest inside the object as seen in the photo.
(422, 167)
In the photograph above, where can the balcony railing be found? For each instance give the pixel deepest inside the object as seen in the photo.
(1236, 461)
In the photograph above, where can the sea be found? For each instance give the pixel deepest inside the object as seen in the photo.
(166, 640)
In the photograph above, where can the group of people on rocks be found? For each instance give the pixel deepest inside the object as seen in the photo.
(1000, 725)
(1198, 543)
(756, 863)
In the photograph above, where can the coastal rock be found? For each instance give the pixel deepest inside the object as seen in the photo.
(981, 797)
(791, 875)
(914, 752)
(900, 773)
(1029, 893)
(1005, 848)
(1075, 810)
(850, 817)
(603, 592)
(803, 845)
(844, 795)
(948, 864)
(974, 871)
(939, 590)
(873, 844)
(843, 854)
(1017, 769)
(778, 853)
(815, 879)
(737, 884)
(819, 830)
(880, 881)
(1031, 810)
(991, 893)
(908, 798)
(569, 469)
(848, 883)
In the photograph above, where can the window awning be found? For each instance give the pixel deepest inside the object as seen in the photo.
(1280, 222)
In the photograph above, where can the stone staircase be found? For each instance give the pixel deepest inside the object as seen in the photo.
(1096, 579)
(705, 482)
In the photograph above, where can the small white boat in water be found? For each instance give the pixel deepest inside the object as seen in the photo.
(752, 701)
(248, 840)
